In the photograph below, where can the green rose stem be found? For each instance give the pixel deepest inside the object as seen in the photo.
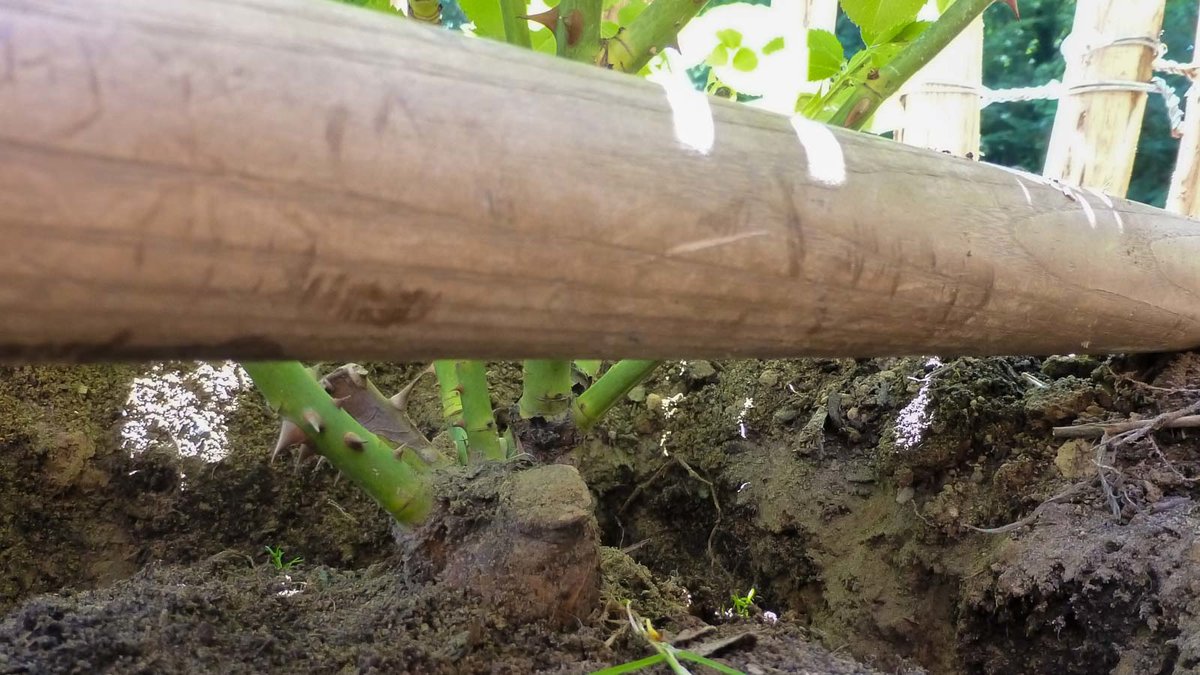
(606, 391)
(871, 93)
(396, 478)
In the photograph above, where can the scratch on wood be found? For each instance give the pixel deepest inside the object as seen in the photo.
(335, 129)
(6, 55)
(383, 116)
(795, 229)
(97, 99)
(145, 225)
(726, 219)
(949, 308)
(986, 283)
(366, 301)
(713, 242)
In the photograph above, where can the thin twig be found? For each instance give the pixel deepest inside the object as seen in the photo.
(1101, 469)
(1170, 467)
(1099, 429)
(633, 547)
(642, 486)
(1069, 492)
(712, 492)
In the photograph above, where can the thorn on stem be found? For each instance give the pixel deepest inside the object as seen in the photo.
(354, 441)
(306, 451)
(549, 18)
(289, 435)
(314, 420)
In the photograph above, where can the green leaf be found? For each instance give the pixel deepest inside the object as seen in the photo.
(882, 54)
(874, 17)
(589, 367)
(773, 46)
(803, 100)
(629, 12)
(696, 658)
(542, 40)
(730, 38)
(912, 31)
(942, 5)
(718, 57)
(632, 666)
(825, 55)
(609, 29)
(745, 60)
(902, 32)
(485, 14)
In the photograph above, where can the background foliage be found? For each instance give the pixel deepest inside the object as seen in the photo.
(1026, 53)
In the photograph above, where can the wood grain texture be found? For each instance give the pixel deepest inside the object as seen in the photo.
(1096, 128)
(296, 178)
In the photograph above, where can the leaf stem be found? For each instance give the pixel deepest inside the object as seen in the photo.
(870, 94)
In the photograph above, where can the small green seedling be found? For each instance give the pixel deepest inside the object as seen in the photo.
(669, 654)
(741, 605)
(276, 555)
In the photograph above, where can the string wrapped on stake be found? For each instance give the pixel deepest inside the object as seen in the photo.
(1055, 89)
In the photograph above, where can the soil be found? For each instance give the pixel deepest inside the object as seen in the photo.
(860, 523)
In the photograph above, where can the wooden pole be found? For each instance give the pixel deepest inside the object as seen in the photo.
(940, 105)
(302, 179)
(1112, 44)
(1184, 195)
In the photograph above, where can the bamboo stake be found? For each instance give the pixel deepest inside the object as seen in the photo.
(940, 105)
(239, 178)
(1096, 128)
(1184, 196)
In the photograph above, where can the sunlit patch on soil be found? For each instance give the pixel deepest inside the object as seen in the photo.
(185, 405)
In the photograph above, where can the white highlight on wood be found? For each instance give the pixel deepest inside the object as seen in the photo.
(1087, 208)
(1025, 190)
(1108, 202)
(826, 162)
(691, 111)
